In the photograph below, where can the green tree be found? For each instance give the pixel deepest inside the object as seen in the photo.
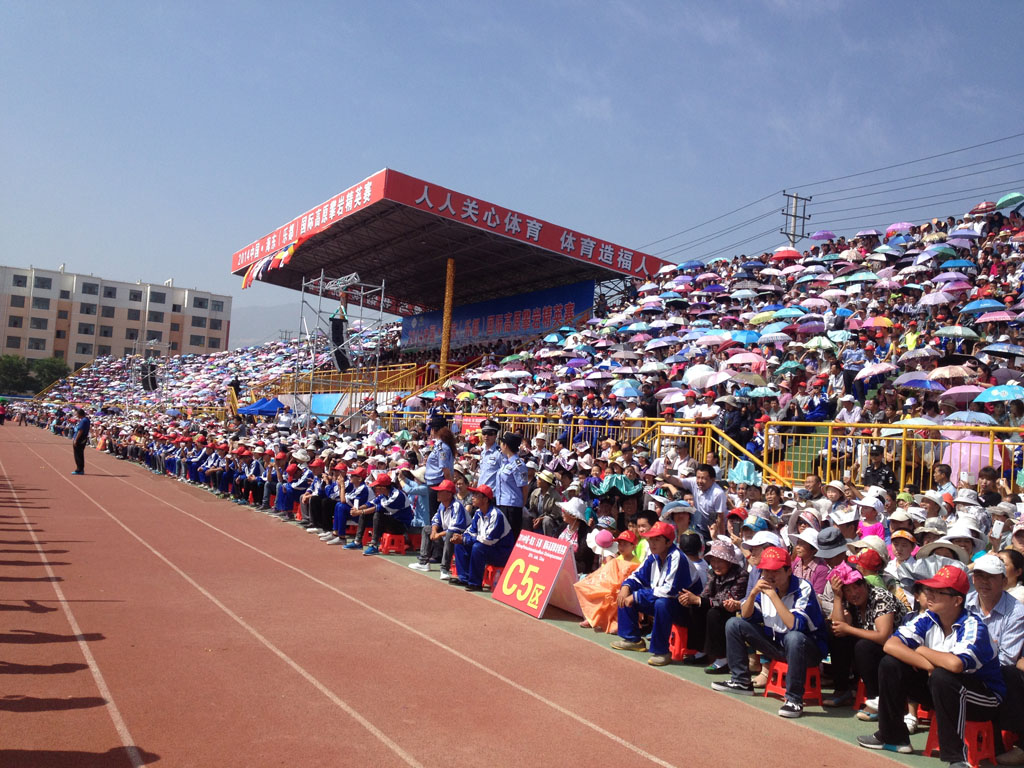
(15, 375)
(47, 371)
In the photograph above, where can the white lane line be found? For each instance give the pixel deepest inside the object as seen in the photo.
(115, 714)
(374, 730)
(433, 641)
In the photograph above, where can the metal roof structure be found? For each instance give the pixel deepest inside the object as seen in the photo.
(401, 230)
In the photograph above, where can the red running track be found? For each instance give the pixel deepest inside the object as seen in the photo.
(143, 621)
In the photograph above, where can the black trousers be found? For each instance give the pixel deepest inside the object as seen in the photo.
(79, 451)
(381, 522)
(953, 699)
(1011, 711)
(321, 512)
(514, 515)
(857, 655)
(707, 630)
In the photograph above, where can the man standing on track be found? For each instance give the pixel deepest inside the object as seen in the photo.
(79, 440)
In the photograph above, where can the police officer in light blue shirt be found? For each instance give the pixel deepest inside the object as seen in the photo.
(512, 482)
(441, 459)
(491, 457)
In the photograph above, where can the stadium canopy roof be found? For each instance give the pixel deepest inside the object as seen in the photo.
(401, 230)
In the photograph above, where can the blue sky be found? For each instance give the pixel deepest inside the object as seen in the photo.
(151, 140)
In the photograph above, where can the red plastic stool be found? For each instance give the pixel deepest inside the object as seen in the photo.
(777, 682)
(297, 510)
(677, 643)
(978, 736)
(923, 715)
(391, 542)
(861, 697)
(491, 576)
(417, 540)
(452, 569)
(367, 536)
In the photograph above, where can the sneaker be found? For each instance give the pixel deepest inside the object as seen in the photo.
(839, 699)
(338, 541)
(474, 588)
(871, 705)
(660, 660)
(912, 723)
(731, 686)
(791, 709)
(714, 669)
(332, 540)
(445, 575)
(317, 531)
(629, 645)
(352, 545)
(761, 680)
(419, 567)
(371, 550)
(867, 717)
(327, 534)
(1014, 756)
(870, 741)
(76, 472)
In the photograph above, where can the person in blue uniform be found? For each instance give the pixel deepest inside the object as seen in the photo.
(253, 482)
(510, 493)
(440, 461)
(653, 589)
(313, 501)
(79, 440)
(436, 542)
(289, 492)
(388, 512)
(272, 475)
(491, 457)
(488, 541)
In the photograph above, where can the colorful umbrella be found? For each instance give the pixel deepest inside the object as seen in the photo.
(1002, 393)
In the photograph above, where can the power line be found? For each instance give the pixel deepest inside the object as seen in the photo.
(910, 162)
(987, 187)
(920, 175)
(714, 235)
(709, 221)
(877, 214)
(933, 182)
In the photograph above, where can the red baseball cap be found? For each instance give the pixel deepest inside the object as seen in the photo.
(382, 479)
(668, 410)
(662, 529)
(444, 485)
(281, 456)
(627, 536)
(739, 512)
(484, 490)
(948, 577)
(773, 559)
(763, 419)
(710, 393)
(358, 472)
(341, 466)
(317, 463)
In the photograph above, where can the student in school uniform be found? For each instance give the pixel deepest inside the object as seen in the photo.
(488, 541)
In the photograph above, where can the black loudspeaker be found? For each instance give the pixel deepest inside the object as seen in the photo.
(341, 362)
(149, 377)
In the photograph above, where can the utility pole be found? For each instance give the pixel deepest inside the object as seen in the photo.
(284, 335)
(795, 211)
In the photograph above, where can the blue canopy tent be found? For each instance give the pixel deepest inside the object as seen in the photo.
(263, 407)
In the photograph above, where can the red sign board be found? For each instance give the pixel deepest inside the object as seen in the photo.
(470, 424)
(465, 209)
(540, 571)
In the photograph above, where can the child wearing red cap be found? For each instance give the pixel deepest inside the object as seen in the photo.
(782, 619)
(944, 659)
(654, 589)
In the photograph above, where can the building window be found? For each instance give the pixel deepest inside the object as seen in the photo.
(175, 326)
(103, 349)
(157, 297)
(197, 341)
(134, 295)
(175, 307)
(14, 342)
(86, 329)
(174, 346)
(59, 354)
(198, 303)
(109, 292)
(91, 289)
(213, 342)
(155, 317)
(216, 305)
(135, 314)
(81, 348)
(34, 343)
(106, 311)
(215, 323)
(129, 351)
(154, 336)
(62, 314)
(38, 302)
(61, 334)
(65, 294)
(38, 323)
(14, 321)
(20, 281)
(107, 331)
(131, 333)
(43, 283)
(87, 309)
(17, 301)
(198, 322)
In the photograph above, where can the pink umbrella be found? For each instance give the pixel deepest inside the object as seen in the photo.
(933, 299)
(957, 287)
(970, 453)
(963, 394)
(997, 317)
(710, 379)
(707, 276)
(874, 369)
(640, 337)
(815, 302)
(745, 358)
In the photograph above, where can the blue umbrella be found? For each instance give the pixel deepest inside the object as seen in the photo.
(1001, 393)
(576, 362)
(772, 307)
(680, 358)
(746, 337)
(926, 384)
(691, 265)
(773, 328)
(553, 338)
(959, 264)
(844, 312)
(1009, 350)
(967, 234)
(669, 295)
(752, 265)
(971, 417)
(790, 312)
(981, 305)
(626, 392)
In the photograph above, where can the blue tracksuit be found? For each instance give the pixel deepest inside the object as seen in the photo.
(655, 587)
(488, 541)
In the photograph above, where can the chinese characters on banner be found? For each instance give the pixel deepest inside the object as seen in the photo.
(540, 571)
(512, 317)
(483, 215)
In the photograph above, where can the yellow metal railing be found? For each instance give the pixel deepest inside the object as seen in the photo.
(38, 395)
(837, 451)
(387, 377)
(431, 377)
(701, 440)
